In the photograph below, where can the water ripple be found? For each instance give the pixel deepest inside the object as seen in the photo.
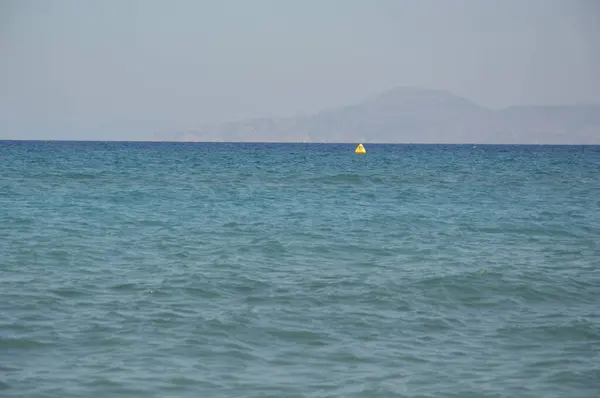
(239, 270)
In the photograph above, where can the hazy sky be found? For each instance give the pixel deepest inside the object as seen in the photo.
(126, 68)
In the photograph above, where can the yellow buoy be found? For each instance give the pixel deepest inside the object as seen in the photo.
(360, 149)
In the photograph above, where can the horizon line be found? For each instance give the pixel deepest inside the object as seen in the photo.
(296, 142)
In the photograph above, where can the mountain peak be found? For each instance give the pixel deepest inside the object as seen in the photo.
(402, 96)
(413, 114)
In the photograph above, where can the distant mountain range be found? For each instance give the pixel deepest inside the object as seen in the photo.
(415, 115)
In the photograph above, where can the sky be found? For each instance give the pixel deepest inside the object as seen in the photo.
(122, 69)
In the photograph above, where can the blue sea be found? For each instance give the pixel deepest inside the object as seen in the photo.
(298, 270)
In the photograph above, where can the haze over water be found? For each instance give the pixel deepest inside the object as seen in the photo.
(296, 270)
(115, 70)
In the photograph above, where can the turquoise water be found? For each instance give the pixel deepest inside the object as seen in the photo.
(292, 270)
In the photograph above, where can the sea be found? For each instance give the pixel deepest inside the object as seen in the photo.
(132, 269)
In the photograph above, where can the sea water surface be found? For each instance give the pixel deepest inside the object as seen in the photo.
(298, 270)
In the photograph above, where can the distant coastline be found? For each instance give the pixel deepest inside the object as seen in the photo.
(405, 115)
(402, 115)
(351, 144)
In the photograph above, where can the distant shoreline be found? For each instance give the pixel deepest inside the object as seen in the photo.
(366, 143)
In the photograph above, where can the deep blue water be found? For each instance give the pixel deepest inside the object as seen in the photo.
(298, 270)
